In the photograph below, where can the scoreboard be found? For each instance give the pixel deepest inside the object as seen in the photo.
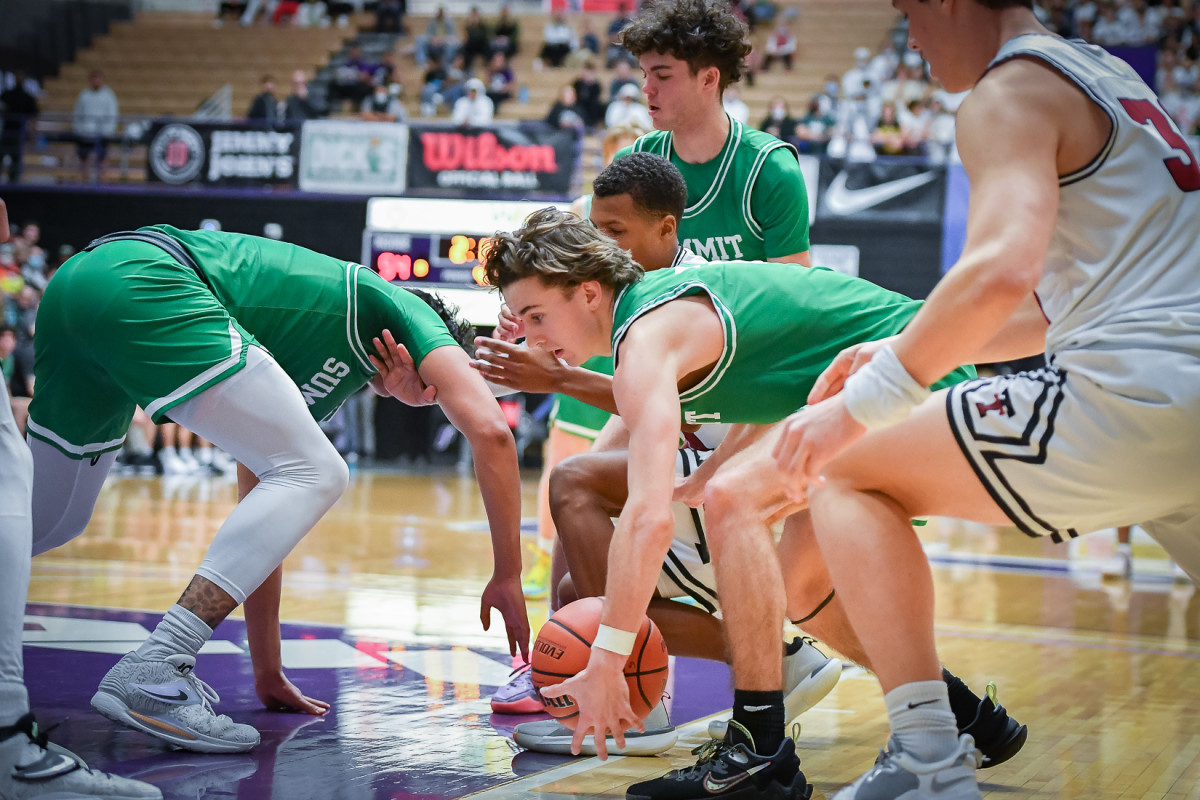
(438, 244)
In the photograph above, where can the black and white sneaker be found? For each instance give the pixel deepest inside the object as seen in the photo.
(31, 767)
(998, 736)
(730, 769)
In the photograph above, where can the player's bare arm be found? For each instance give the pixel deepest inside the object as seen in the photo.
(667, 347)
(470, 407)
(803, 259)
(531, 369)
(1011, 146)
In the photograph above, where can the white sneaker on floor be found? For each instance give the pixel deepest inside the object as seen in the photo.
(549, 736)
(166, 700)
(31, 767)
(171, 462)
(897, 774)
(808, 675)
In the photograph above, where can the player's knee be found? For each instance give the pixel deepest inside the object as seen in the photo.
(569, 484)
(333, 475)
(721, 497)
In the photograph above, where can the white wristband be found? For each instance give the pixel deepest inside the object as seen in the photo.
(882, 393)
(614, 640)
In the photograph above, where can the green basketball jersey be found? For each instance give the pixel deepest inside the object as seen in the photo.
(315, 314)
(784, 324)
(747, 204)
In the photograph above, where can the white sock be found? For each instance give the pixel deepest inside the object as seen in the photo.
(922, 721)
(180, 631)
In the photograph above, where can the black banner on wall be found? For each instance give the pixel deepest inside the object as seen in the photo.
(505, 161)
(222, 154)
(891, 210)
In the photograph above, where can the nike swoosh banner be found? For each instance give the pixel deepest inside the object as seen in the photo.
(892, 211)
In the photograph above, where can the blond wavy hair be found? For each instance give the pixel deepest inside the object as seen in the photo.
(561, 250)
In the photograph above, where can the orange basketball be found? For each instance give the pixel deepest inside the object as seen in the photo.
(564, 645)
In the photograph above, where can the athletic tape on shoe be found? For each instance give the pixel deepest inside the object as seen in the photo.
(882, 393)
(614, 640)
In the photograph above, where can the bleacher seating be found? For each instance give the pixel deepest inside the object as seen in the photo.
(167, 63)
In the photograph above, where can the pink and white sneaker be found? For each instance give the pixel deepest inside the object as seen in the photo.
(519, 695)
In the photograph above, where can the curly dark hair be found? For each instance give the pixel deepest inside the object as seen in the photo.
(462, 331)
(561, 250)
(654, 183)
(704, 33)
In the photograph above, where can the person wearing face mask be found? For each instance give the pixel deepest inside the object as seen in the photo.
(779, 121)
(383, 105)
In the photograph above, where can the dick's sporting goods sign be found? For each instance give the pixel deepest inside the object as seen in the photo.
(222, 154)
(501, 161)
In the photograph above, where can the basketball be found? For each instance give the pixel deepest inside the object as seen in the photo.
(564, 645)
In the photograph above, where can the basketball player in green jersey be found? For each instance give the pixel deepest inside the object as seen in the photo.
(746, 194)
(727, 342)
(248, 342)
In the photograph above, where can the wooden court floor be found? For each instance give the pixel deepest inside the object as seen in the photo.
(1106, 674)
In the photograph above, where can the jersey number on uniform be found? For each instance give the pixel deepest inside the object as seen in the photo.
(1183, 168)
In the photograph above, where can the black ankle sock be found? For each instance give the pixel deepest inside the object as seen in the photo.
(963, 702)
(760, 713)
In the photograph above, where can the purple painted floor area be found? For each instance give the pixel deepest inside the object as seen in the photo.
(392, 732)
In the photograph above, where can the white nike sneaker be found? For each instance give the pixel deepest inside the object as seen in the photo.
(166, 700)
(548, 736)
(897, 774)
(808, 675)
(31, 767)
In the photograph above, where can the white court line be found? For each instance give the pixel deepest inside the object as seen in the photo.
(521, 787)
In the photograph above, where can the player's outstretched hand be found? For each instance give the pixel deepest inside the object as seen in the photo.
(514, 366)
(505, 596)
(602, 695)
(810, 439)
(278, 693)
(398, 374)
(848, 362)
(509, 327)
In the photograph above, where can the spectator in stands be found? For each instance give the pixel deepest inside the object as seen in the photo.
(229, 8)
(264, 108)
(95, 123)
(558, 40)
(21, 314)
(888, 137)
(779, 121)
(566, 112)
(500, 80)
(616, 51)
(589, 95)
(385, 71)
(622, 77)
(440, 39)
(851, 137)
(8, 343)
(830, 96)
(299, 106)
(744, 10)
(626, 110)
(431, 86)
(351, 79)
(857, 77)
(735, 106)
(454, 86)
(474, 108)
(939, 139)
(20, 109)
(383, 105)
(11, 280)
(31, 256)
(781, 44)
(477, 39)
(589, 43)
(389, 16)
(285, 11)
(1109, 30)
(506, 34)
